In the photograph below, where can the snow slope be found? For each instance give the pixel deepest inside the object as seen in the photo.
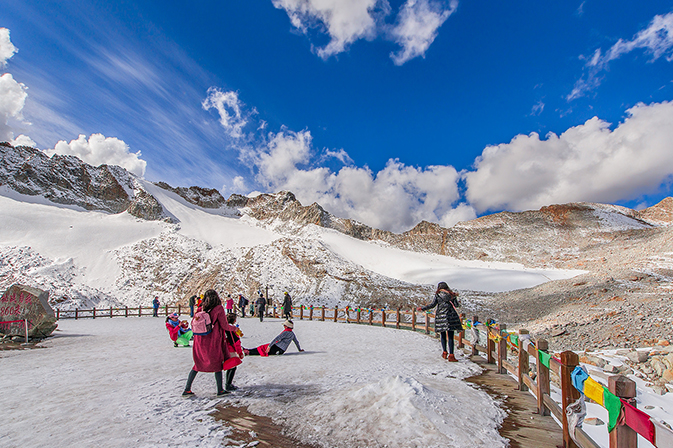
(87, 258)
(117, 383)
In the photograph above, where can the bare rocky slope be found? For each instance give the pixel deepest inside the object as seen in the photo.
(622, 299)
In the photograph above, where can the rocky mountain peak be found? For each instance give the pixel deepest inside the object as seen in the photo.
(203, 197)
(661, 213)
(67, 180)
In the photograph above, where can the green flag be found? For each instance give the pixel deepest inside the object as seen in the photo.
(614, 406)
(544, 358)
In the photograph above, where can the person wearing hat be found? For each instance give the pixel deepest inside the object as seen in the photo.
(280, 343)
(179, 332)
(287, 306)
(447, 319)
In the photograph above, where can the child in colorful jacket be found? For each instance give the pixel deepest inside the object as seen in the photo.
(179, 332)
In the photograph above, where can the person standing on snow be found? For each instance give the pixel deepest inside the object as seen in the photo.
(208, 351)
(155, 306)
(229, 304)
(192, 303)
(287, 306)
(242, 303)
(261, 305)
(447, 319)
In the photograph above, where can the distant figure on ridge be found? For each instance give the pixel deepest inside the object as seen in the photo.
(447, 319)
(279, 345)
(287, 306)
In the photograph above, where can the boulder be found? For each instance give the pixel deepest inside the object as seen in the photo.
(638, 356)
(23, 302)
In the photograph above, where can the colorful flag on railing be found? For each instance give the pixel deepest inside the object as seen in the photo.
(579, 376)
(544, 358)
(639, 421)
(614, 406)
(593, 390)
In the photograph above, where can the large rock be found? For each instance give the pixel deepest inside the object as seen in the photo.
(23, 302)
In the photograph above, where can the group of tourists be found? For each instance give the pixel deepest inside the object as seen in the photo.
(217, 343)
(256, 309)
(217, 346)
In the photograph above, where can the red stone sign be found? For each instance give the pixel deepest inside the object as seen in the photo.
(23, 302)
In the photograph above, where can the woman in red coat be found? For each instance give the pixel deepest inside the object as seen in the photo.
(208, 351)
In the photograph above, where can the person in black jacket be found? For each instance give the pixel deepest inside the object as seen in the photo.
(192, 303)
(287, 306)
(261, 305)
(447, 319)
(242, 304)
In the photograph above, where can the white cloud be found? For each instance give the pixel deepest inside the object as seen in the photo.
(656, 39)
(588, 162)
(416, 28)
(347, 21)
(98, 150)
(12, 99)
(229, 107)
(23, 140)
(7, 49)
(396, 198)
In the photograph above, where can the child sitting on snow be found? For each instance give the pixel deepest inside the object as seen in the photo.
(279, 344)
(179, 332)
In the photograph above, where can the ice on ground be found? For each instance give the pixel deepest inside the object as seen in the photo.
(117, 383)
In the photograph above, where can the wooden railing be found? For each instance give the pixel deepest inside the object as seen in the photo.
(511, 352)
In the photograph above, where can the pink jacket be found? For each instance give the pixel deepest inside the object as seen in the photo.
(208, 351)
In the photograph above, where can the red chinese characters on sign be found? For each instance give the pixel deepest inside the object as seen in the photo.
(14, 304)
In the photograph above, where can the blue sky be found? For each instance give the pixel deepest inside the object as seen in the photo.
(388, 112)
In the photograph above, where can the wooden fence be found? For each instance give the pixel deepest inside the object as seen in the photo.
(511, 352)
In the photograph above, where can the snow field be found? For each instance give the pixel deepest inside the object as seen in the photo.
(117, 383)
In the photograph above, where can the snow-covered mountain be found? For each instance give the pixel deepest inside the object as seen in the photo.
(100, 236)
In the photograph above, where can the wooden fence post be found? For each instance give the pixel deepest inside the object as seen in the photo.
(413, 320)
(310, 313)
(427, 323)
(336, 313)
(623, 436)
(76, 313)
(322, 316)
(502, 348)
(301, 312)
(94, 312)
(110, 312)
(371, 317)
(524, 366)
(140, 310)
(166, 306)
(397, 324)
(180, 308)
(542, 378)
(126, 312)
(475, 350)
(58, 313)
(358, 316)
(490, 345)
(569, 360)
(383, 317)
